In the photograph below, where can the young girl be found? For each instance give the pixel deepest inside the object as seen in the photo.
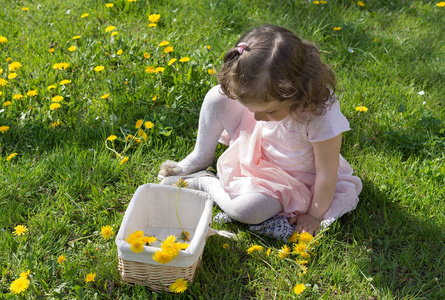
(276, 109)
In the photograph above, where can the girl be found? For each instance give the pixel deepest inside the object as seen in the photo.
(276, 109)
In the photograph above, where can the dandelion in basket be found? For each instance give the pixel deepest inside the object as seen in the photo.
(179, 286)
(137, 240)
(169, 250)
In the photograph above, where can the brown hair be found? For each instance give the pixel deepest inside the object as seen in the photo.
(277, 65)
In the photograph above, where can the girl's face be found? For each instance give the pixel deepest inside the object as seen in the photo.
(270, 111)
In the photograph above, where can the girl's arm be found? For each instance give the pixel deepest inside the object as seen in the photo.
(327, 159)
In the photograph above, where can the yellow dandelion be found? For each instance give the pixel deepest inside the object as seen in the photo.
(317, 2)
(99, 68)
(179, 286)
(305, 255)
(14, 66)
(148, 124)
(441, 4)
(107, 232)
(25, 274)
(124, 160)
(51, 87)
(360, 3)
(337, 28)
(142, 134)
(171, 61)
(168, 49)
(12, 75)
(90, 277)
(11, 156)
(4, 128)
(293, 238)
(162, 257)
(65, 81)
(255, 248)
(105, 96)
(305, 237)
(7, 103)
(159, 70)
(3, 82)
(154, 18)
(268, 251)
(85, 15)
(164, 43)
(152, 25)
(72, 48)
(149, 69)
(226, 246)
(55, 124)
(181, 183)
(3, 39)
(299, 288)
(119, 52)
(138, 123)
(284, 251)
(184, 59)
(150, 239)
(8, 59)
(300, 248)
(146, 55)
(361, 108)
(55, 106)
(25, 8)
(109, 5)
(17, 97)
(211, 71)
(110, 28)
(208, 47)
(19, 285)
(57, 98)
(323, 2)
(114, 33)
(111, 137)
(20, 230)
(61, 259)
(154, 98)
(32, 93)
(76, 37)
(51, 50)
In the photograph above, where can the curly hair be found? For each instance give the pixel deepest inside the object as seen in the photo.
(278, 65)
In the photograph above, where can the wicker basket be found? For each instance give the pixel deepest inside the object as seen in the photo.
(152, 210)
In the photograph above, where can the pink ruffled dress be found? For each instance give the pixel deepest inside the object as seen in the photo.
(277, 158)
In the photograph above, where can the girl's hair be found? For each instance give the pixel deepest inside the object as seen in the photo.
(277, 65)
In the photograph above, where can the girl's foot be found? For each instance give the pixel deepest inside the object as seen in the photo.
(184, 167)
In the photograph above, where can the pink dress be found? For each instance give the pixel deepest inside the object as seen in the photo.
(277, 158)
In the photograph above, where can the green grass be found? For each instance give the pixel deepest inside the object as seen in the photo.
(64, 184)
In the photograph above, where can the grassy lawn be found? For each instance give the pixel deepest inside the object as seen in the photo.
(64, 178)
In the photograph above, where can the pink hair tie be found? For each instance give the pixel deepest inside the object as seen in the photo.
(241, 47)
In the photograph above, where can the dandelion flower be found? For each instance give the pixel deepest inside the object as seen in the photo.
(146, 55)
(32, 93)
(61, 259)
(111, 137)
(148, 124)
(57, 98)
(76, 37)
(114, 33)
(162, 257)
(3, 82)
(149, 69)
(99, 68)
(211, 71)
(171, 61)
(107, 232)
(25, 274)
(361, 108)
(51, 50)
(299, 288)
(61, 66)
(110, 28)
(226, 246)
(164, 43)
(360, 3)
(65, 81)
(85, 15)
(138, 123)
(268, 251)
(17, 97)
(124, 160)
(337, 28)
(441, 4)
(184, 59)
(20, 230)
(109, 5)
(168, 49)
(3, 129)
(300, 248)
(51, 87)
(179, 286)
(105, 96)
(8, 59)
(150, 239)
(154, 98)
(55, 124)
(19, 285)
(255, 248)
(284, 251)
(152, 25)
(14, 66)
(12, 75)
(305, 237)
(55, 106)
(142, 133)
(25, 8)
(159, 69)
(11, 156)
(72, 48)
(181, 183)
(154, 18)
(119, 52)
(3, 39)
(7, 103)
(90, 277)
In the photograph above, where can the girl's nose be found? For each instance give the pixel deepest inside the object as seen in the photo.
(260, 116)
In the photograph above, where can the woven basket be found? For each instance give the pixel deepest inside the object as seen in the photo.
(152, 210)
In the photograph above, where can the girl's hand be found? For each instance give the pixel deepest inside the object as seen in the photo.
(305, 223)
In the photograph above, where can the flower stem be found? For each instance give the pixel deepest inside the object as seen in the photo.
(177, 215)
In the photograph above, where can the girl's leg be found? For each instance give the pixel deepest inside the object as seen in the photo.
(218, 112)
(250, 208)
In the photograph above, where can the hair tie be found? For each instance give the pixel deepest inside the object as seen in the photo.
(241, 47)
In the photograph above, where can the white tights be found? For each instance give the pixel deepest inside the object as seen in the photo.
(218, 112)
